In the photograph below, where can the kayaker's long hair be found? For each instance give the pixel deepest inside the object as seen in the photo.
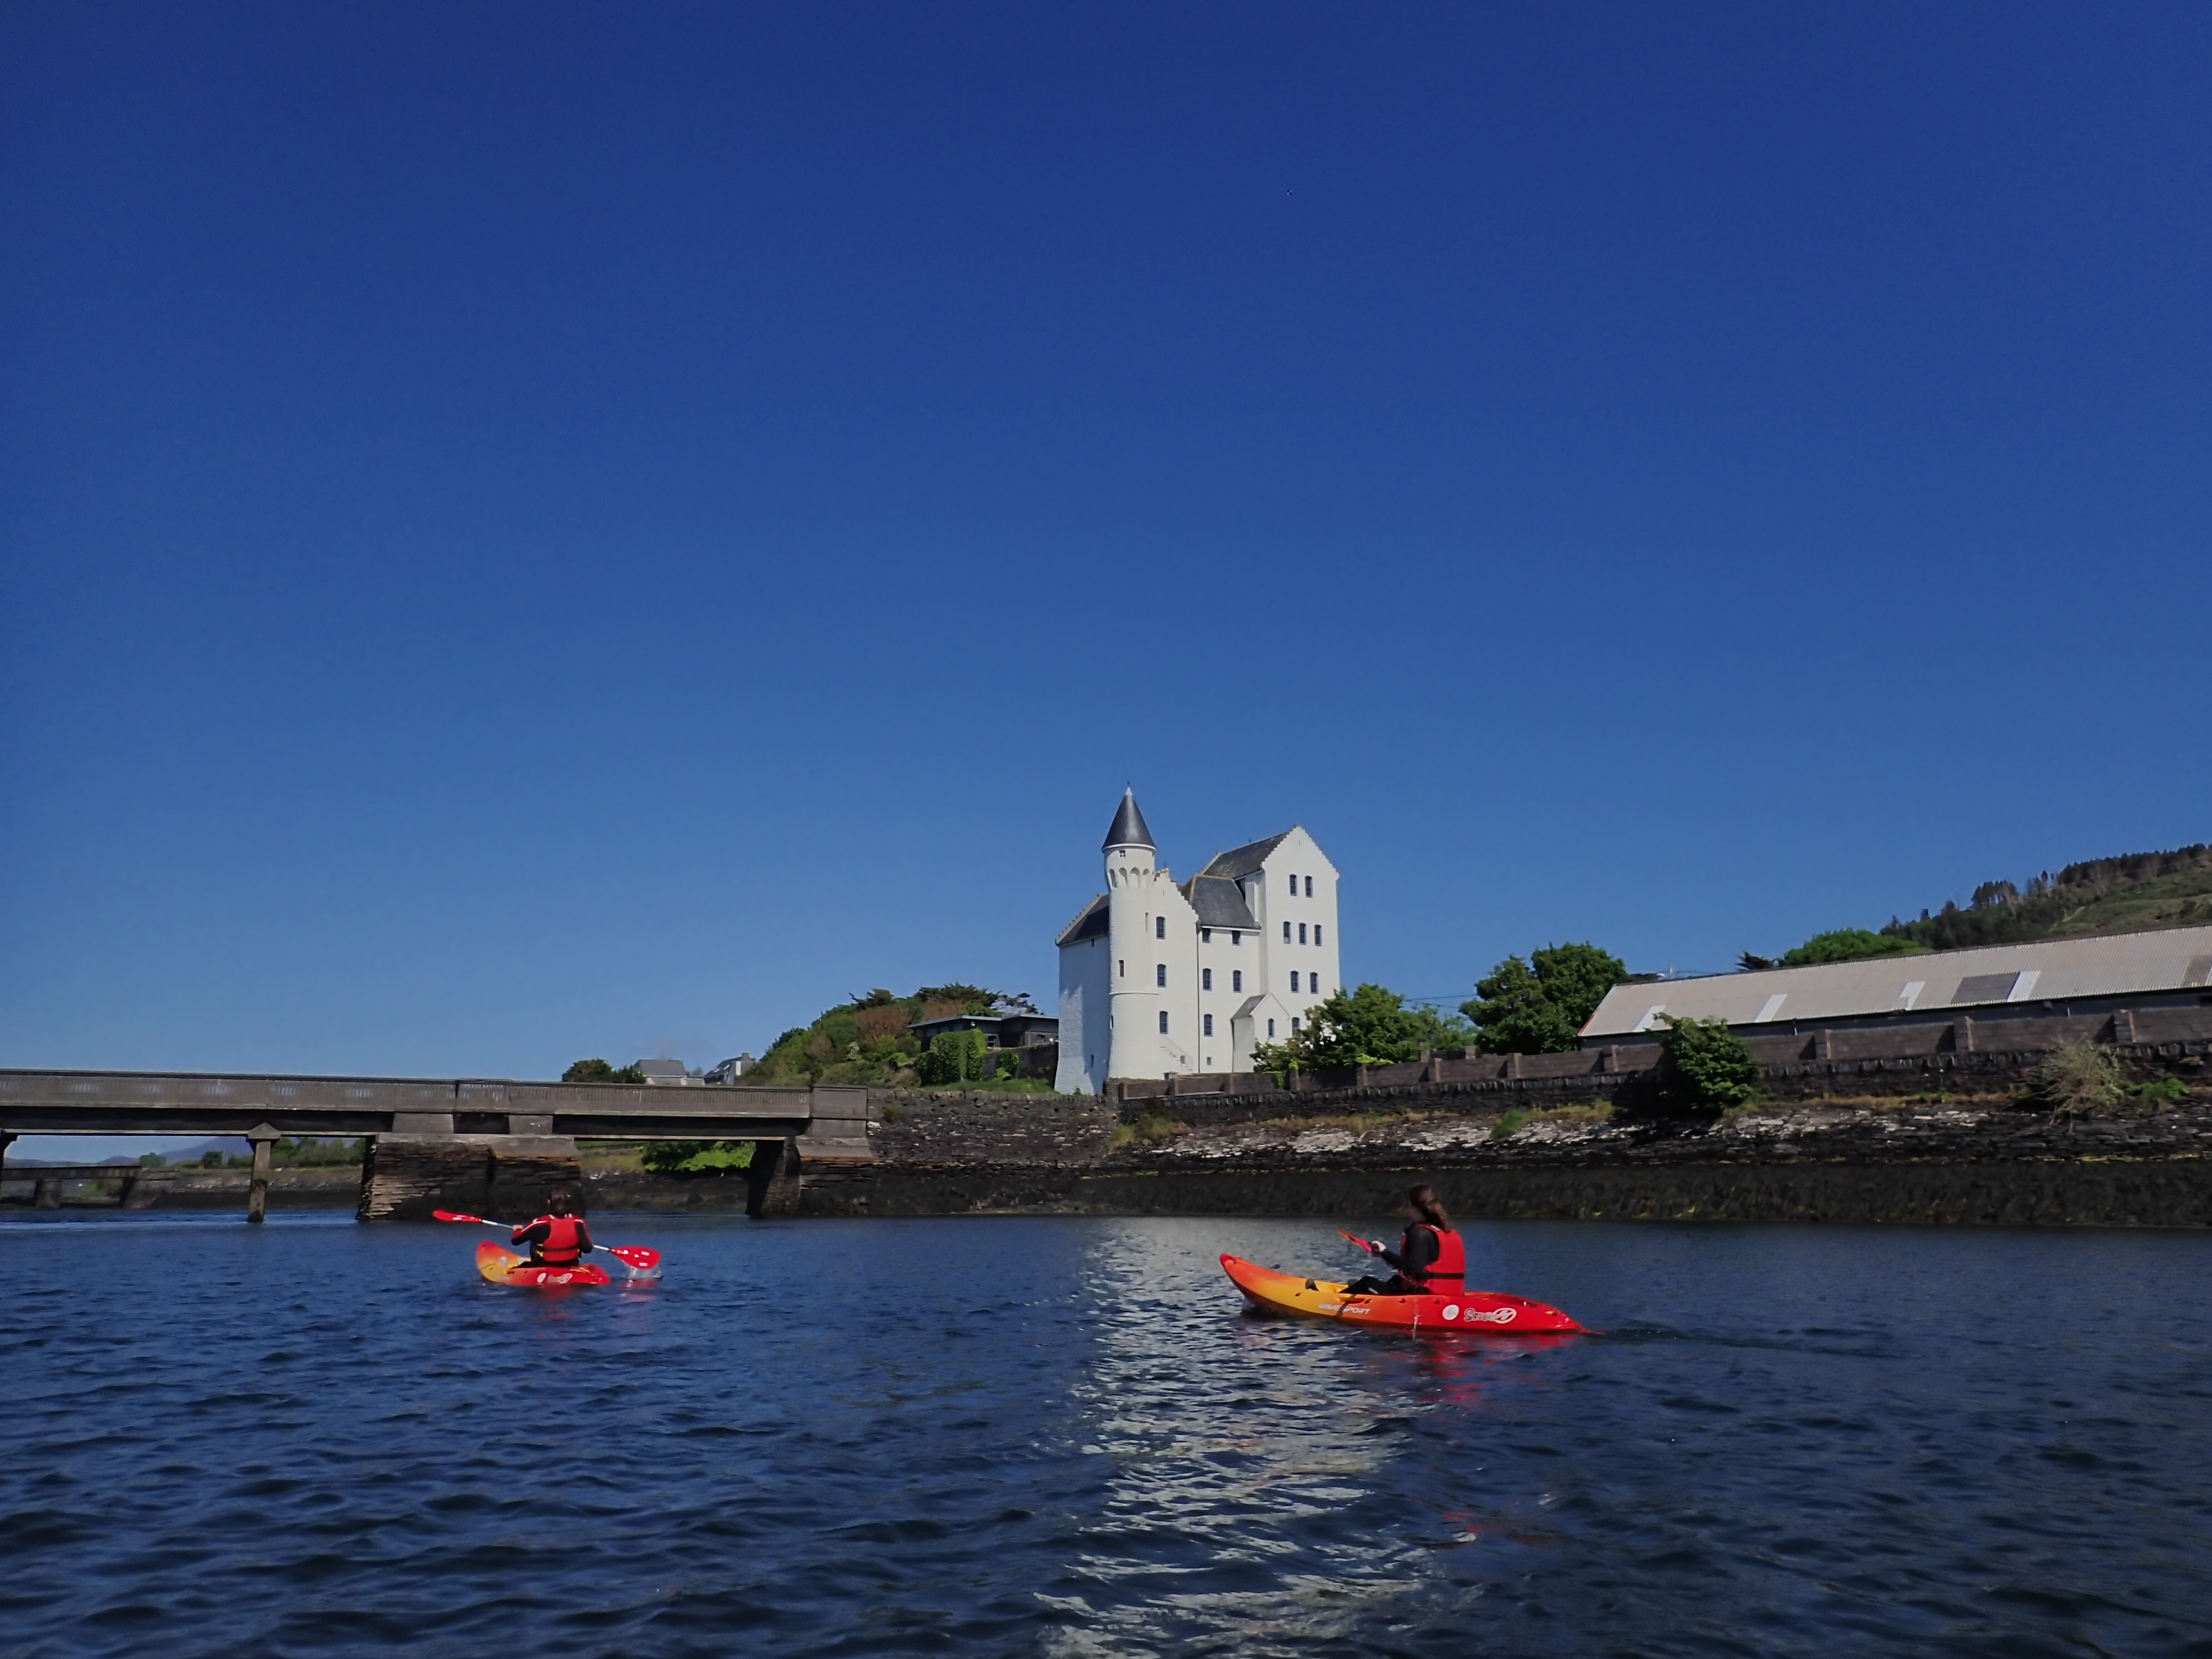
(1430, 1208)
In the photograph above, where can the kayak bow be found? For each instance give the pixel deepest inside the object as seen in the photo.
(1485, 1312)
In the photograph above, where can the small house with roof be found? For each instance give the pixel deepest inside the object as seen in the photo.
(1158, 978)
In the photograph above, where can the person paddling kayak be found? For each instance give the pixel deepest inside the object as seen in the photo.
(559, 1239)
(1430, 1259)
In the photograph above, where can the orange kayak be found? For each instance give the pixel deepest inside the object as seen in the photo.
(1481, 1311)
(506, 1267)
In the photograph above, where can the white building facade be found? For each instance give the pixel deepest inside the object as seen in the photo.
(1158, 979)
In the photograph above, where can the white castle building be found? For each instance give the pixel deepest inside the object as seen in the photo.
(1157, 978)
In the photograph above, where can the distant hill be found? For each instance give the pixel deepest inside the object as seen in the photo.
(2125, 894)
(2133, 893)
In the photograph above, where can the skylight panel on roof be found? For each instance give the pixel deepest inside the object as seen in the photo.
(1985, 987)
(1772, 1007)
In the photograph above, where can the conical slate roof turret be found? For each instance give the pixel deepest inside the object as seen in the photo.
(1129, 827)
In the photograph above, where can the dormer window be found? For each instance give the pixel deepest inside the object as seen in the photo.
(1206, 936)
(1236, 937)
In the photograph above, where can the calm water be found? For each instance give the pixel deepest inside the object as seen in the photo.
(1060, 1437)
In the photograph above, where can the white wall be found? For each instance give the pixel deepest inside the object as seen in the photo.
(1083, 1030)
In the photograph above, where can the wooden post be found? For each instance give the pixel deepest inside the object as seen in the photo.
(257, 1198)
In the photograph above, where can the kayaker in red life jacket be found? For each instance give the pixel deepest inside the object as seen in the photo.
(1430, 1259)
(558, 1240)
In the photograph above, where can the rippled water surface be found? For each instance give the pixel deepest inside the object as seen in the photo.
(1061, 1437)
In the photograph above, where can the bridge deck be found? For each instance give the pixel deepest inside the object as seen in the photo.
(188, 1104)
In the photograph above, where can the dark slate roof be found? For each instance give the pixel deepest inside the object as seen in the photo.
(1092, 924)
(1242, 861)
(1129, 827)
(1219, 903)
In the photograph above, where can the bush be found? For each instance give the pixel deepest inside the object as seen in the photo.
(953, 1057)
(692, 1157)
(598, 1071)
(1366, 1026)
(1704, 1069)
(2079, 1077)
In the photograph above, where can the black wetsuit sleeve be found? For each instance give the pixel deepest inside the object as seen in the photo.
(1415, 1251)
(536, 1233)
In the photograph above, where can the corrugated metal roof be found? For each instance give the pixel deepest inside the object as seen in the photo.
(2101, 965)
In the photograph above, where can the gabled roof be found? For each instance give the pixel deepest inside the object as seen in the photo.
(1129, 827)
(1090, 924)
(2042, 971)
(1244, 861)
(1219, 903)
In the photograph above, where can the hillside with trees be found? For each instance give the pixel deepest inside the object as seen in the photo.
(869, 1040)
(2132, 893)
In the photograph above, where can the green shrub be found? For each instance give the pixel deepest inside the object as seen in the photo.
(2167, 1091)
(1506, 1127)
(1849, 944)
(953, 1057)
(694, 1157)
(1704, 1069)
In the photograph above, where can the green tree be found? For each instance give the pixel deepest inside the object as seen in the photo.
(598, 1071)
(1704, 1068)
(1369, 1025)
(672, 1157)
(1541, 1005)
(1849, 944)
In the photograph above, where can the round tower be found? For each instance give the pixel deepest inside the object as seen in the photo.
(1133, 1048)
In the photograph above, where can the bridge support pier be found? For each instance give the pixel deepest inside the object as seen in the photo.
(502, 1178)
(257, 1194)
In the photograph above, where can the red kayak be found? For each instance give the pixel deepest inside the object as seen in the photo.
(1481, 1311)
(505, 1267)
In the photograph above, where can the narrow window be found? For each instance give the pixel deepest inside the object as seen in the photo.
(1125, 968)
(1302, 932)
(1286, 933)
(1270, 1029)
(1236, 979)
(1160, 974)
(1163, 1022)
(1236, 939)
(1316, 933)
(1206, 936)
(1159, 927)
(1308, 886)
(1294, 979)
(1209, 1025)
(1206, 984)
(1294, 1024)
(1294, 886)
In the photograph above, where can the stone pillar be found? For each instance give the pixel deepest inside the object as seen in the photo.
(264, 1136)
(2123, 1028)
(772, 1179)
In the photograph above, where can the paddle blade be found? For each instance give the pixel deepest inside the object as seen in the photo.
(636, 1256)
(455, 1215)
(1356, 1239)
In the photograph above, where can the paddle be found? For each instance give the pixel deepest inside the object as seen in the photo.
(636, 1256)
(1365, 1244)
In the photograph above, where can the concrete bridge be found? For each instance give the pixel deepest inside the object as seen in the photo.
(494, 1148)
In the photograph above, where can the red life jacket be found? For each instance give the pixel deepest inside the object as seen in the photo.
(1447, 1274)
(564, 1241)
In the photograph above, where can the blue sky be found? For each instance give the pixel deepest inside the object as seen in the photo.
(543, 530)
